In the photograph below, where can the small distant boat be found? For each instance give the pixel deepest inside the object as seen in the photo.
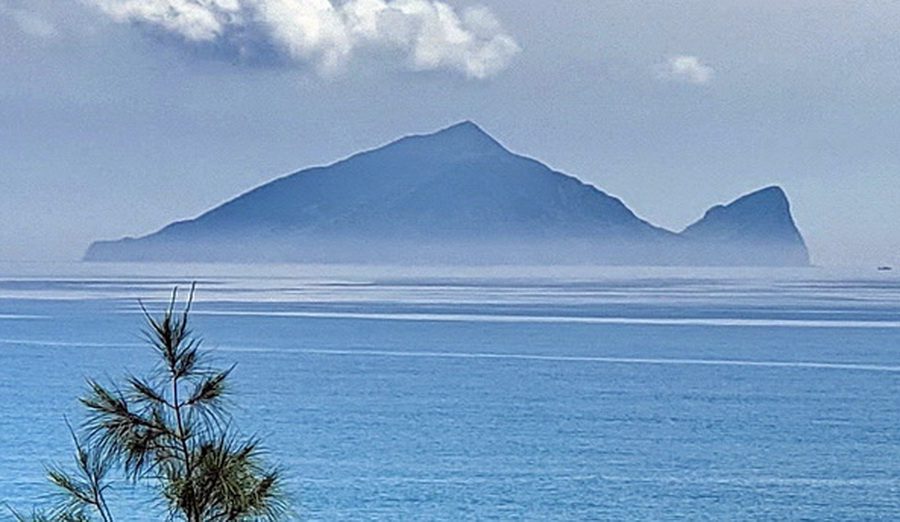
(885, 268)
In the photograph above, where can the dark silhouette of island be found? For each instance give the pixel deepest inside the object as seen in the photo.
(458, 196)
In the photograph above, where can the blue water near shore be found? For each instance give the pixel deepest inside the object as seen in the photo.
(498, 393)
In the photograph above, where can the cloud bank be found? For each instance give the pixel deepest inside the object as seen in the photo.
(687, 69)
(426, 35)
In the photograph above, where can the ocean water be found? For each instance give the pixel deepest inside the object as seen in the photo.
(497, 393)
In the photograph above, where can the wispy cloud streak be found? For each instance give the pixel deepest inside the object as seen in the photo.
(27, 21)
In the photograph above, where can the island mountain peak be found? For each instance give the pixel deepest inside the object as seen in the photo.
(772, 198)
(463, 137)
(464, 127)
(457, 196)
(763, 216)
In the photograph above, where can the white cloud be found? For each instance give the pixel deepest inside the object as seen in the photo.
(29, 22)
(687, 69)
(427, 34)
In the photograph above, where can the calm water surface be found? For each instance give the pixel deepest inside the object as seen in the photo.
(499, 393)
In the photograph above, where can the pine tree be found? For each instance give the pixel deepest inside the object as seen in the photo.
(170, 429)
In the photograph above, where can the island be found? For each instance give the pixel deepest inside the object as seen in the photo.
(457, 196)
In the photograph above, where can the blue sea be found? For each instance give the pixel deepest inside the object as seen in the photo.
(496, 393)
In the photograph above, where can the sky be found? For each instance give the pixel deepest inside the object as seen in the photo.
(120, 116)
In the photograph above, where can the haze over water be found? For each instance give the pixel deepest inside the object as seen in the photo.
(497, 392)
